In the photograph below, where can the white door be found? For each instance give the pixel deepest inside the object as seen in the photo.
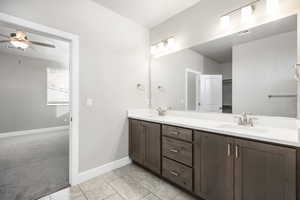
(210, 93)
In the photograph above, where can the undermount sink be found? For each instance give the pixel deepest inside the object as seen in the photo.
(242, 128)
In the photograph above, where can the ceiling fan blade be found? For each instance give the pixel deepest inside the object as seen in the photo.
(41, 44)
(4, 41)
(2, 35)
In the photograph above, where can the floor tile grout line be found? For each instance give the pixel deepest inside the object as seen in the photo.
(156, 195)
(133, 181)
(122, 176)
(116, 190)
(82, 192)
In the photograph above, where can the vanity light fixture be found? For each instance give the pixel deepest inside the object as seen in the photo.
(163, 47)
(247, 10)
(272, 6)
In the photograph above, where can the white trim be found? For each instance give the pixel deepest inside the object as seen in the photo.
(74, 71)
(89, 174)
(198, 73)
(33, 131)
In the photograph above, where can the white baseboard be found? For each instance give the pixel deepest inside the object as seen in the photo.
(89, 174)
(33, 131)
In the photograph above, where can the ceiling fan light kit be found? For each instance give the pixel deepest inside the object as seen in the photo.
(20, 40)
(19, 44)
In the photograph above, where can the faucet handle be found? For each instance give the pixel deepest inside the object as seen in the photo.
(251, 121)
(240, 120)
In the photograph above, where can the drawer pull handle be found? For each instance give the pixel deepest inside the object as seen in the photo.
(174, 150)
(174, 173)
(236, 151)
(174, 133)
(228, 150)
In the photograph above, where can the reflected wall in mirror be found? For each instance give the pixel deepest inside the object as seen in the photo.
(251, 71)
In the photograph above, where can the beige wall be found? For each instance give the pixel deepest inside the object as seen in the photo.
(113, 59)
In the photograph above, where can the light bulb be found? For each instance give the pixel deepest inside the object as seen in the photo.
(161, 46)
(247, 13)
(225, 21)
(19, 44)
(272, 6)
(171, 43)
(153, 49)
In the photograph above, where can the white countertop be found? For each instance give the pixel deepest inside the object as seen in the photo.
(284, 136)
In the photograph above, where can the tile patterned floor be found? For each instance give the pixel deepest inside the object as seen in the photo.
(127, 183)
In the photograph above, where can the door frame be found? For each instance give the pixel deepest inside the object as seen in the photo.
(198, 73)
(40, 29)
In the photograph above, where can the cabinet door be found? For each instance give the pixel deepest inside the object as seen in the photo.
(152, 143)
(264, 172)
(214, 165)
(136, 141)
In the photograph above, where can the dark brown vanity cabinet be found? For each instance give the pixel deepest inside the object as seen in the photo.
(216, 167)
(177, 156)
(145, 144)
(264, 172)
(213, 166)
(246, 170)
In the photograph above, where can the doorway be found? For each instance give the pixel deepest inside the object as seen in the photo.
(73, 40)
(203, 92)
(35, 114)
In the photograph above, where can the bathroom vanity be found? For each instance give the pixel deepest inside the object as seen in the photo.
(215, 161)
(211, 154)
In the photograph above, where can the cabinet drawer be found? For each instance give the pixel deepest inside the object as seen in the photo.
(178, 173)
(179, 133)
(178, 150)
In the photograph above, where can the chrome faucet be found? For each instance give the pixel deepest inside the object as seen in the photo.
(245, 120)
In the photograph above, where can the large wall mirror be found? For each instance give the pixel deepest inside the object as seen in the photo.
(250, 71)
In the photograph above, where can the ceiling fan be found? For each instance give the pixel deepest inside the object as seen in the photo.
(20, 40)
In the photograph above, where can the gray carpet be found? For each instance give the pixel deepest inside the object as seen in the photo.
(33, 165)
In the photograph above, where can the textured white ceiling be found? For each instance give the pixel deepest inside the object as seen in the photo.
(148, 13)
